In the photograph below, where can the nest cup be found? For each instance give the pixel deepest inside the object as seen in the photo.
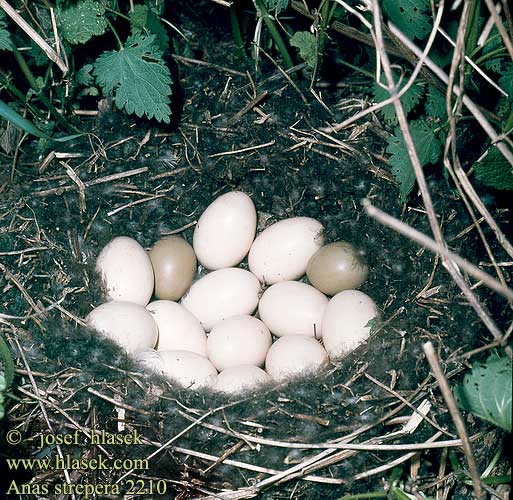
(203, 441)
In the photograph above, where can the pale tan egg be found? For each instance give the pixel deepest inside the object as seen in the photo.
(225, 231)
(241, 379)
(282, 251)
(222, 294)
(347, 322)
(128, 324)
(174, 265)
(295, 355)
(188, 369)
(238, 340)
(178, 328)
(335, 267)
(126, 271)
(292, 307)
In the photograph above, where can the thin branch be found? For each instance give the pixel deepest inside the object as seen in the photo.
(456, 417)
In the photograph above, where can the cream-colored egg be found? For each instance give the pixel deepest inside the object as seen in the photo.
(241, 378)
(179, 329)
(128, 324)
(174, 265)
(335, 267)
(188, 369)
(239, 340)
(292, 308)
(126, 271)
(225, 231)
(347, 322)
(150, 359)
(282, 251)
(295, 355)
(221, 294)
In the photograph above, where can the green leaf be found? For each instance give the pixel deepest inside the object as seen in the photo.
(5, 37)
(486, 391)
(137, 77)
(307, 45)
(84, 75)
(506, 80)
(410, 16)
(276, 5)
(144, 19)
(80, 22)
(494, 170)
(409, 100)
(428, 150)
(435, 104)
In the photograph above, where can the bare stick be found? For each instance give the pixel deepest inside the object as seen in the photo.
(500, 27)
(470, 105)
(34, 36)
(456, 416)
(446, 254)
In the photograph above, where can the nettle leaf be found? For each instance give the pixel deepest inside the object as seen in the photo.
(494, 170)
(412, 17)
(5, 36)
(276, 5)
(435, 103)
(486, 391)
(307, 45)
(137, 77)
(428, 150)
(84, 75)
(80, 22)
(409, 100)
(142, 18)
(506, 80)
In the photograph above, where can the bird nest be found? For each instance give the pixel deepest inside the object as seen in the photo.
(108, 426)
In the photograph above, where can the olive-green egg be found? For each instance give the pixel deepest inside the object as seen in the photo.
(174, 264)
(335, 267)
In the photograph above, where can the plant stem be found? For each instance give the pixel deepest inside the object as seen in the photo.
(275, 34)
(239, 42)
(120, 43)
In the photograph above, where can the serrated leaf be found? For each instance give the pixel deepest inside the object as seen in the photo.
(506, 80)
(410, 16)
(486, 391)
(276, 5)
(84, 75)
(307, 45)
(435, 103)
(409, 100)
(428, 150)
(80, 22)
(494, 170)
(137, 77)
(5, 36)
(142, 18)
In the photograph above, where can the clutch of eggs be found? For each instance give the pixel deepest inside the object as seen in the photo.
(234, 329)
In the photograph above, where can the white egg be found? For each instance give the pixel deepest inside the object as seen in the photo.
(241, 378)
(178, 328)
(188, 369)
(150, 359)
(126, 271)
(239, 340)
(221, 294)
(295, 355)
(225, 231)
(346, 321)
(128, 324)
(282, 251)
(292, 307)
